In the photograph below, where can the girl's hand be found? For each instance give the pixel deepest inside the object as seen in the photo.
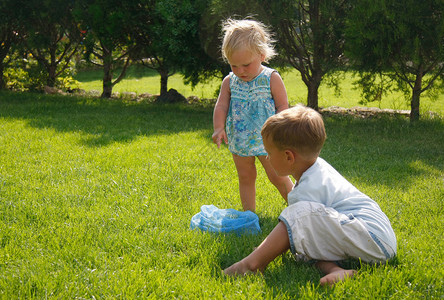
(219, 136)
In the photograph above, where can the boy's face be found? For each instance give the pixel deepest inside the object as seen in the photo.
(245, 64)
(278, 158)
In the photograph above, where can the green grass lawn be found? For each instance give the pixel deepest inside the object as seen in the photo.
(140, 79)
(96, 198)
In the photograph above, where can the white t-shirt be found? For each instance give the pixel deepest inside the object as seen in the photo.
(323, 184)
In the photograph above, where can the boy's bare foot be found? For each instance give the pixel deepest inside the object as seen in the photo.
(336, 276)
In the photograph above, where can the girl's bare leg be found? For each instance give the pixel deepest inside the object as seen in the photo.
(333, 272)
(276, 243)
(282, 183)
(246, 171)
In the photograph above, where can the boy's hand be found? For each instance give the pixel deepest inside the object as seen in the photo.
(218, 136)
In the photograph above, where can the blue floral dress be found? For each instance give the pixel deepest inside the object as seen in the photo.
(250, 106)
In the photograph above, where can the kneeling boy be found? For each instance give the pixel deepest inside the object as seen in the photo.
(327, 218)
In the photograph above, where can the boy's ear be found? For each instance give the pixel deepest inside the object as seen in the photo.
(290, 155)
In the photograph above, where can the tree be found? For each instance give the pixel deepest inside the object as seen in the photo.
(155, 36)
(107, 25)
(51, 35)
(404, 40)
(168, 39)
(10, 27)
(196, 65)
(310, 36)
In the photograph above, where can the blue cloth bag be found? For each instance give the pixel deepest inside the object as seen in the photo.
(212, 219)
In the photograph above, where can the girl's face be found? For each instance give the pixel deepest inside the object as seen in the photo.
(246, 64)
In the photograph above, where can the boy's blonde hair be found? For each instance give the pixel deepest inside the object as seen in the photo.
(298, 128)
(249, 34)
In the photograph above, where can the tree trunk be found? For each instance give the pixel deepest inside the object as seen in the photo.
(312, 95)
(52, 67)
(107, 76)
(416, 94)
(2, 78)
(163, 81)
(4, 50)
(51, 76)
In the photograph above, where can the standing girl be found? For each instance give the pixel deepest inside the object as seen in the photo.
(249, 95)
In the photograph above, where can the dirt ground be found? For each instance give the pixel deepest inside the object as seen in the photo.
(363, 112)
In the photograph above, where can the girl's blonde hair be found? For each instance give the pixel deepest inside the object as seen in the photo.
(249, 34)
(298, 128)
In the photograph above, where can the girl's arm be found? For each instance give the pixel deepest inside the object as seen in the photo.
(220, 113)
(278, 92)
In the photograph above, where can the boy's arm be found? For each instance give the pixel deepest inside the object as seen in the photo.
(220, 113)
(278, 92)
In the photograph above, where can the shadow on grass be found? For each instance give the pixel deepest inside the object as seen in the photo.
(103, 121)
(383, 151)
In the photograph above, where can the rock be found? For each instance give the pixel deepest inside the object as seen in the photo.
(129, 95)
(193, 99)
(146, 95)
(172, 96)
(77, 91)
(51, 90)
(94, 93)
